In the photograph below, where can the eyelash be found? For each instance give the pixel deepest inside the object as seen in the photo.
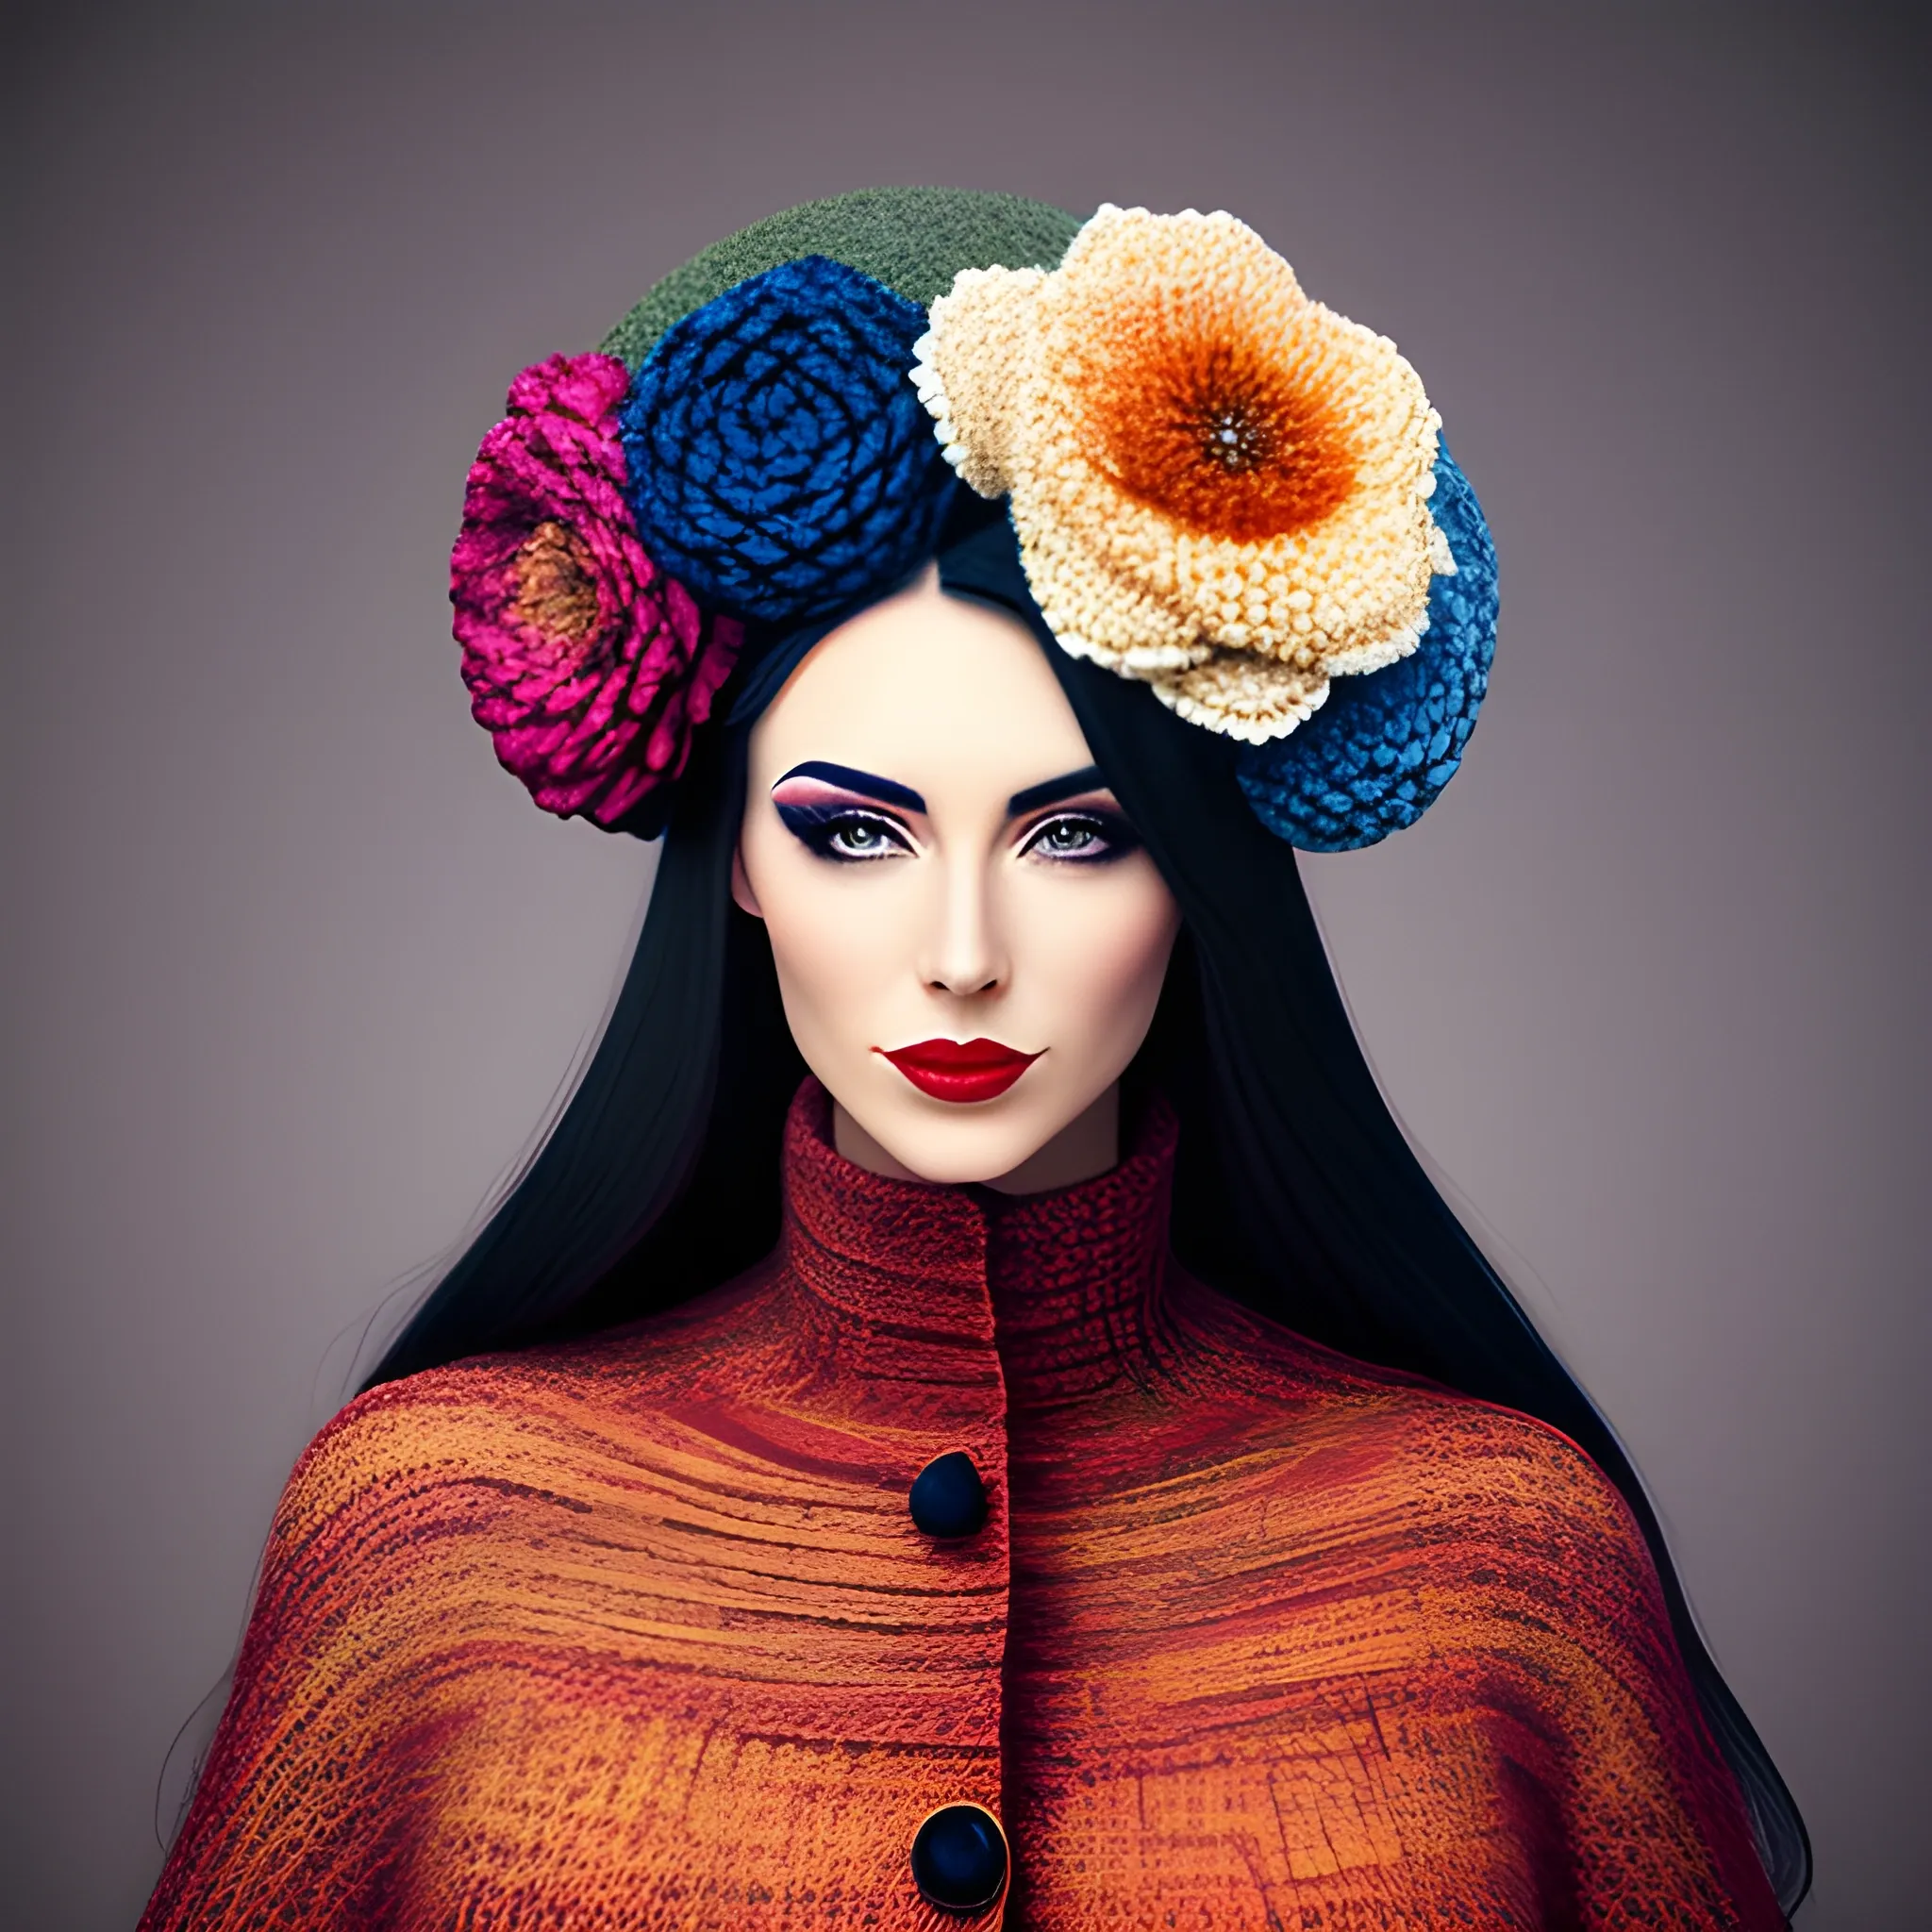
(819, 826)
(821, 829)
(1115, 838)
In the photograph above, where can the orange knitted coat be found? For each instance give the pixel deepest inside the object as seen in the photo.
(639, 1633)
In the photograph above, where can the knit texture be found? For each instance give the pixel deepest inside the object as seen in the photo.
(1378, 752)
(640, 1632)
(914, 240)
(1218, 484)
(779, 461)
(588, 666)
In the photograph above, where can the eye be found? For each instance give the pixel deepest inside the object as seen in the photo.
(1081, 838)
(842, 833)
(856, 836)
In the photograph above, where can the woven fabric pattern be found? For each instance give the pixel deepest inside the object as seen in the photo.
(912, 240)
(780, 462)
(639, 1633)
(1373, 760)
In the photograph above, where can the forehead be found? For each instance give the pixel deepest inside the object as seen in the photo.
(952, 697)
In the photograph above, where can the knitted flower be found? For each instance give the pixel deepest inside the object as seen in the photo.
(780, 464)
(588, 666)
(1218, 485)
(1382, 747)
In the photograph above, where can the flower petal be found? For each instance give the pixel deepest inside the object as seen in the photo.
(1384, 745)
(1242, 696)
(780, 462)
(1201, 461)
(573, 638)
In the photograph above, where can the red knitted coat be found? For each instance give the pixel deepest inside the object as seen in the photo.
(640, 1632)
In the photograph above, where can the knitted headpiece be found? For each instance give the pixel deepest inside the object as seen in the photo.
(1215, 485)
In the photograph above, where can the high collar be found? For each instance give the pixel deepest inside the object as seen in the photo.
(1060, 1287)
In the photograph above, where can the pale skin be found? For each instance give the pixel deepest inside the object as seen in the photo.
(952, 868)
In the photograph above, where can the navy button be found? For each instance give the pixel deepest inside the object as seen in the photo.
(948, 1499)
(959, 1859)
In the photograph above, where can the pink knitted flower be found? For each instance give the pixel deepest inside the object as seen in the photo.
(587, 664)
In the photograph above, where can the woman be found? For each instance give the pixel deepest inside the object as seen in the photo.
(1056, 1462)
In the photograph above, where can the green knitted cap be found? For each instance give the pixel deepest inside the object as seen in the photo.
(914, 240)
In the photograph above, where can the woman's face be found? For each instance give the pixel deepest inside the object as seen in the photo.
(970, 938)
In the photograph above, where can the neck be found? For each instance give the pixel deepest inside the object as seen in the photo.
(1088, 1146)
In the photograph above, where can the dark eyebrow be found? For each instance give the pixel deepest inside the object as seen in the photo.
(1088, 779)
(884, 790)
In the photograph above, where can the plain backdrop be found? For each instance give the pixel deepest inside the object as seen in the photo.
(292, 972)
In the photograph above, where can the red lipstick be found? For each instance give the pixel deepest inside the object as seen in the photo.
(960, 1069)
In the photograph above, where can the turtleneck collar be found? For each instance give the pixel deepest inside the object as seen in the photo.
(1062, 1288)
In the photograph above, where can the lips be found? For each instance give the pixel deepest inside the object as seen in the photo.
(960, 1069)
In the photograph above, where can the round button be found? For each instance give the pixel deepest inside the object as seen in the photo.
(948, 1499)
(959, 1859)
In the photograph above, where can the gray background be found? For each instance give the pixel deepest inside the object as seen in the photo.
(292, 972)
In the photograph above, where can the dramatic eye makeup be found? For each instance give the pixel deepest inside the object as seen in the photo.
(1089, 836)
(1089, 829)
(850, 816)
(1068, 784)
(846, 815)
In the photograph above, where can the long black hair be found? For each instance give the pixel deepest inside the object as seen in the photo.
(1296, 1189)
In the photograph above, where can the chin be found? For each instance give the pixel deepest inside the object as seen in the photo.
(966, 1142)
(953, 1143)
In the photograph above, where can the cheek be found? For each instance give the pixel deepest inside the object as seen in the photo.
(1104, 948)
(835, 939)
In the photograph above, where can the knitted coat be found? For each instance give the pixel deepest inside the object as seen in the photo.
(639, 1632)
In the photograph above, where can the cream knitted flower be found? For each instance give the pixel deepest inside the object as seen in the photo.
(1218, 485)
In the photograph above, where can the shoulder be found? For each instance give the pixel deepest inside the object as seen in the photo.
(1452, 1468)
(1449, 1527)
(1516, 1495)
(532, 1426)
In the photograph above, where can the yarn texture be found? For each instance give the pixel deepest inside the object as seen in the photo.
(641, 1632)
(1218, 485)
(912, 240)
(588, 665)
(1374, 759)
(781, 463)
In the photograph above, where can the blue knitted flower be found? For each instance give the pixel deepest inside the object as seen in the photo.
(781, 463)
(1373, 759)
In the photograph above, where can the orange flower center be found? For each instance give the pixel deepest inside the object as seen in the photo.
(557, 587)
(1224, 437)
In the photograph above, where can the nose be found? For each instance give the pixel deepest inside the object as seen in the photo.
(965, 950)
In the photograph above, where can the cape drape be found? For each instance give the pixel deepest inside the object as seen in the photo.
(640, 1631)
